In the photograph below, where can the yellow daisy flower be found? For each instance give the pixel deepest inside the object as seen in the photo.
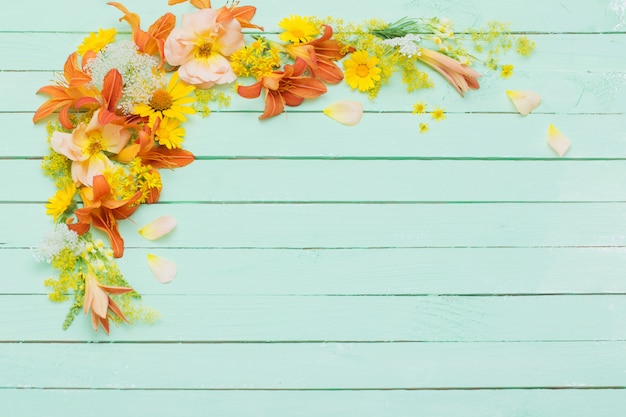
(61, 201)
(298, 29)
(438, 114)
(96, 41)
(361, 71)
(170, 134)
(172, 102)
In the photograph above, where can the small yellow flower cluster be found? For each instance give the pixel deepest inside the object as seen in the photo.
(257, 59)
(506, 71)
(524, 46)
(65, 261)
(437, 114)
(204, 97)
(146, 179)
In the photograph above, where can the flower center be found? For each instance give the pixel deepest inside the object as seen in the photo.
(362, 70)
(204, 50)
(95, 143)
(298, 33)
(161, 100)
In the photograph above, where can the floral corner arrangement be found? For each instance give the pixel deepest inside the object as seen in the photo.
(119, 108)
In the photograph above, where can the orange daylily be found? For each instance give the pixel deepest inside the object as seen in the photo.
(102, 210)
(146, 148)
(243, 14)
(288, 87)
(67, 92)
(460, 76)
(98, 300)
(151, 42)
(319, 55)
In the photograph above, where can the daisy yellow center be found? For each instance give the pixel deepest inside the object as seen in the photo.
(161, 100)
(362, 70)
(95, 143)
(204, 50)
(298, 33)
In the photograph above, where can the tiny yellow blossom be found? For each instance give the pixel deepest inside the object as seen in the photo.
(423, 127)
(438, 114)
(419, 107)
(507, 71)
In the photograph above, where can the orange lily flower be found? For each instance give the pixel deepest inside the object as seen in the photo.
(102, 210)
(98, 300)
(146, 148)
(243, 14)
(319, 55)
(67, 93)
(460, 76)
(151, 42)
(288, 87)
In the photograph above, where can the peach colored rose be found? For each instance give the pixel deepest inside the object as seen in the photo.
(202, 46)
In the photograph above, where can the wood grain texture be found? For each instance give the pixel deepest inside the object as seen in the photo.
(474, 403)
(327, 270)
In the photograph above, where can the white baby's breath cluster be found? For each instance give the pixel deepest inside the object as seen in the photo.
(52, 243)
(407, 45)
(138, 71)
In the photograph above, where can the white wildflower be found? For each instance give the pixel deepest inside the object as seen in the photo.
(407, 45)
(52, 243)
(139, 73)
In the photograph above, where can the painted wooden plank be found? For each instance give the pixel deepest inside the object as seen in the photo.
(496, 271)
(379, 135)
(589, 91)
(479, 403)
(365, 181)
(548, 16)
(195, 318)
(39, 51)
(313, 366)
(355, 225)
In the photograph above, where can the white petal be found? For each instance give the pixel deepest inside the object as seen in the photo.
(525, 101)
(163, 269)
(158, 228)
(345, 112)
(557, 140)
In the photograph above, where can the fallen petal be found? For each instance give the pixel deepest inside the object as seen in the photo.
(158, 228)
(524, 101)
(163, 269)
(557, 140)
(345, 112)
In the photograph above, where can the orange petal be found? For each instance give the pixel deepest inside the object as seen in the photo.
(524, 101)
(557, 140)
(163, 269)
(158, 228)
(345, 112)
(274, 105)
(132, 18)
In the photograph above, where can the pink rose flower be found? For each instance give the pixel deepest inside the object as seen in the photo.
(201, 47)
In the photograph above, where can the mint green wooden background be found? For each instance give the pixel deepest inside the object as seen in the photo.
(332, 271)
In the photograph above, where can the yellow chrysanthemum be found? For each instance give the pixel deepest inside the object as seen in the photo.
(172, 102)
(298, 29)
(61, 201)
(507, 71)
(170, 134)
(96, 41)
(361, 71)
(438, 114)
